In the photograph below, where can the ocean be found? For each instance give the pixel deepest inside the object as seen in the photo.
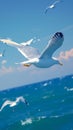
(46, 105)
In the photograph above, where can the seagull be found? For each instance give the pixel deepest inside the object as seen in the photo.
(52, 6)
(13, 103)
(43, 60)
(1, 54)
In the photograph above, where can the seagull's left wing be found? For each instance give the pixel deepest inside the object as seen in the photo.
(54, 43)
(46, 10)
(27, 43)
(24, 48)
(57, 1)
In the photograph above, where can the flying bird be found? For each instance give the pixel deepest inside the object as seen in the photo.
(51, 6)
(13, 103)
(1, 54)
(43, 60)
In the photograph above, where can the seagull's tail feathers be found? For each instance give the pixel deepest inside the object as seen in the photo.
(28, 62)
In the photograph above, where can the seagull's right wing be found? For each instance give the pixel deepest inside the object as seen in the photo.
(54, 43)
(57, 1)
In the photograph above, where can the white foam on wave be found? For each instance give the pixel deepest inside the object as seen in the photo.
(41, 117)
(26, 122)
(56, 116)
(45, 84)
(68, 89)
(13, 103)
(45, 97)
(31, 120)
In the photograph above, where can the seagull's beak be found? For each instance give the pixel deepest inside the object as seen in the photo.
(61, 63)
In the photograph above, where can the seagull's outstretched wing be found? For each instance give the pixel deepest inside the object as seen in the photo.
(10, 42)
(15, 44)
(29, 52)
(54, 43)
(57, 1)
(24, 48)
(27, 43)
(7, 102)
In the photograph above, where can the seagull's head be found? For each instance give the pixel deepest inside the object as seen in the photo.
(60, 63)
(56, 61)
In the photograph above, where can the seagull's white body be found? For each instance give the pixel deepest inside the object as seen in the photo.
(43, 60)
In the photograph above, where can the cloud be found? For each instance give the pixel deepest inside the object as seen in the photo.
(4, 70)
(66, 55)
(4, 62)
(67, 28)
(11, 69)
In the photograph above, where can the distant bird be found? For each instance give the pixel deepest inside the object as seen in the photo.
(1, 54)
(43, 60)
(13, 103)
(52, 6)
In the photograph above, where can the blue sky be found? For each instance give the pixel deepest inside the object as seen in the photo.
(21, 20)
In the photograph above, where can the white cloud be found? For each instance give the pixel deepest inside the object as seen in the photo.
(66, 55)
(4, 70)
(19, 75)
(4, 62)
(67, 28)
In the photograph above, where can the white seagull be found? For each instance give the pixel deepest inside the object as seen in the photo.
(1, 54)
(43, 60)
(52, 5)
(13, 103)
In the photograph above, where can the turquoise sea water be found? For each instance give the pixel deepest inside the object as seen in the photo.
(48, 106)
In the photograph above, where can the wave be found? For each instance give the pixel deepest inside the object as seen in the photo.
(13, 103)
(55, 122)
(45, 84)
(68, 89)
(27, 121)
(31, 120)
